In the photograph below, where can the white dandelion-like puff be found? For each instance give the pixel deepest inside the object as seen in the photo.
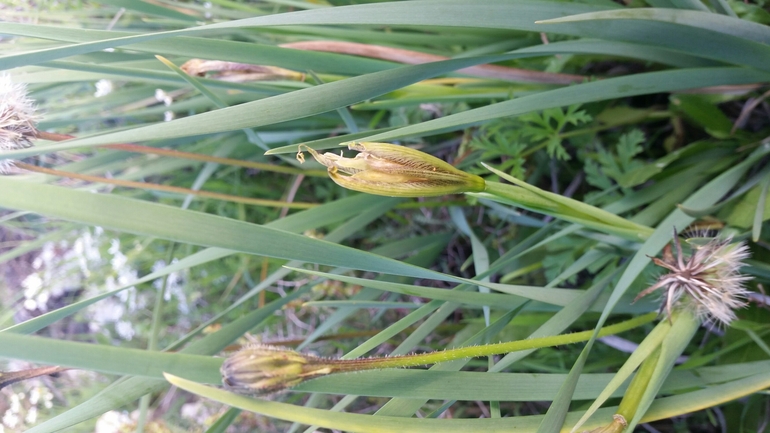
(17, 118)
(17, 115)
(708, 281)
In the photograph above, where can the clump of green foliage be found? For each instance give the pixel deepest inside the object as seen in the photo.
(160, 216)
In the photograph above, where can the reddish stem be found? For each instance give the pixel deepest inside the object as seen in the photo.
(415, 58)
(165, 188)
(138, 148)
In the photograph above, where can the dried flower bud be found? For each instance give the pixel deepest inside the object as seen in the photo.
(263, 369)
(709, 281)
(395, 171)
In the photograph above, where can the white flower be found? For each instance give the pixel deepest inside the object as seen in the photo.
(103, 88)
(709, 281)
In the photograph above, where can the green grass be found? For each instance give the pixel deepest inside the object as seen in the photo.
(666, 127)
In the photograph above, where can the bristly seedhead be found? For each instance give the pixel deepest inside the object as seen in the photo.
(708, 281)
(17, 115)
(395, 171)
(17, 118)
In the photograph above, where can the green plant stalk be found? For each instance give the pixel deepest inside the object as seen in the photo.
(483, 350)
(633, 395)
(651, 342)
(144, 402)
(653, 371)
(520, 197)
(685, 324)
(574, 205)
(564, 208)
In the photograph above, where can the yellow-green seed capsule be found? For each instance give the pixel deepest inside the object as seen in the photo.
(395, 171)
(263, 369)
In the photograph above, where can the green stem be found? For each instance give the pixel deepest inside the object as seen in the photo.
(684, 325)
(521, 197)
(340, 365)
(654, 369)
(537, 200)
(638, 385)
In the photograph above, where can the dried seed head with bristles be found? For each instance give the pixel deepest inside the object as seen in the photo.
(708, 281)
(17, 118)
(17, 115)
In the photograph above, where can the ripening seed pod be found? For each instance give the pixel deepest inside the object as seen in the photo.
(263, 369)
(395, 171)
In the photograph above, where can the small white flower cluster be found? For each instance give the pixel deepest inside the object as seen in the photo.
(709, 281)
(103, 88)
(17, 118)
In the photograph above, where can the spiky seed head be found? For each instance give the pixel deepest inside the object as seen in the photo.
(17, 118)
(17, 115)
(708, 282)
